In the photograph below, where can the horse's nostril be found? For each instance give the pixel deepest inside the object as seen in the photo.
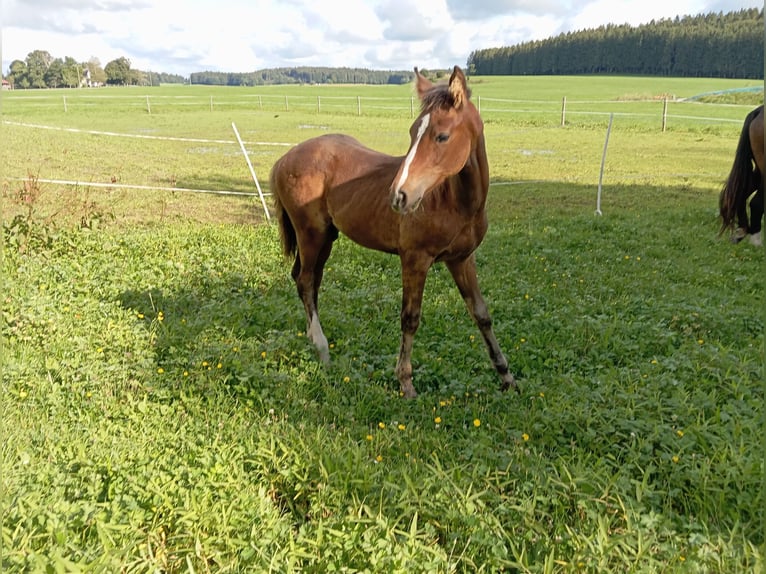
(400, 200)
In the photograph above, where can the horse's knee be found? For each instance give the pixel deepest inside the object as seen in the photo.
(410, 320)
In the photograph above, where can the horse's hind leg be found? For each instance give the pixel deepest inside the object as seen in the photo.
(756, 217)
(464, 274)
(314, 248)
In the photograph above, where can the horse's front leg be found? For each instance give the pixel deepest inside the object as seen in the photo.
(464, 274)
(414, 271)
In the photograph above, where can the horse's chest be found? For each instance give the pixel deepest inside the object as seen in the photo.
(465, 241)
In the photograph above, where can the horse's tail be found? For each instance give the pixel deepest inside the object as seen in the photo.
(286, 228)
(739, 185)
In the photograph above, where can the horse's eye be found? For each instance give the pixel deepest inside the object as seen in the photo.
(442, 137)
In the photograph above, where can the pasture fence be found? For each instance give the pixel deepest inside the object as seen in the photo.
(662, 112)
(645, 114)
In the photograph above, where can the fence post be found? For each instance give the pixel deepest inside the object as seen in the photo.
(252, 171)
(260, 102)
(603, 159)
(358, 106)
(287, 106)
(319, 105)
(664, 114)
(478, 102)
(563, 111)
(65, 110)
(211, 103)
(148, 105)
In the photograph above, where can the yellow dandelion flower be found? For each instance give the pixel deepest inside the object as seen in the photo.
(400, 426)
(700, 341)
(205, 363)
(219, 365)
(379, 458)
(160, 370)
(369, 437)
(438, 420)
(680, 433)
(140, 315)
(23, 394)
(381, 425)
(346, 379)
(476, 422)
(525, 437)
(442, 403)
(332, 345)
(542, 395)
(186, 373)
(675, 458)
(263, 354)
(100, 350)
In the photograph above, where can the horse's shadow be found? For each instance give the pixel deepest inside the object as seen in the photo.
(243, 334)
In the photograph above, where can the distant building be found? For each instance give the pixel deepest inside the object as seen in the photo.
(7, 85)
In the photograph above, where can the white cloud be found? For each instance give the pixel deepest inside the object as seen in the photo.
(184, 36)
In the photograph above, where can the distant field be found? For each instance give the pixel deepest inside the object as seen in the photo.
(162, 410)
(142, 130)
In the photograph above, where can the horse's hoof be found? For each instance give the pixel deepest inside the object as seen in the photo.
(756, 240)
(505, 385)
(408, 392)
(738, 235)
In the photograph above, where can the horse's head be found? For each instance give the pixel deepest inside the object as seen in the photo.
(441, 139)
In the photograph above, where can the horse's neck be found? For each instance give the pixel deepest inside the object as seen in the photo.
(471, 183)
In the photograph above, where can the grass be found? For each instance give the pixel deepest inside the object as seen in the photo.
(162, 409)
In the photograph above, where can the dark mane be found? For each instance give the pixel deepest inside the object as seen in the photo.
(439, 97)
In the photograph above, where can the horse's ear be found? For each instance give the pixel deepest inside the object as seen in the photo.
(422, 83)
(458, 87)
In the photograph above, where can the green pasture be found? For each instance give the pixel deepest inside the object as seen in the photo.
(163, 411)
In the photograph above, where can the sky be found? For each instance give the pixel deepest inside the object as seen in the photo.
(185, 36)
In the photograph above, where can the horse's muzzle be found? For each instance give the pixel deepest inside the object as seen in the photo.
(399, 201)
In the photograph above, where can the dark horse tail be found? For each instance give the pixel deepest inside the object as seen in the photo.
(286, 229)
(742, 178)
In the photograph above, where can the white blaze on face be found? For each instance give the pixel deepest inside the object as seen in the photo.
(424, 121)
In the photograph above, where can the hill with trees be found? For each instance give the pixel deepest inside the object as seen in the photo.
(707, 45)
(302, 75)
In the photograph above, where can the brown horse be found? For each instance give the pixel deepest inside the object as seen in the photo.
(426, 206)
(746, 177)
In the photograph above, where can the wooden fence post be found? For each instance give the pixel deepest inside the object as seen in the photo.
(563, 111)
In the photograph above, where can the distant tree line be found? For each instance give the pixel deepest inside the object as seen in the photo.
(707, 45)
(302, 75)
(41, 70)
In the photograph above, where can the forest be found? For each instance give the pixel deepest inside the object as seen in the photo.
(712, 45)
(303, 75)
